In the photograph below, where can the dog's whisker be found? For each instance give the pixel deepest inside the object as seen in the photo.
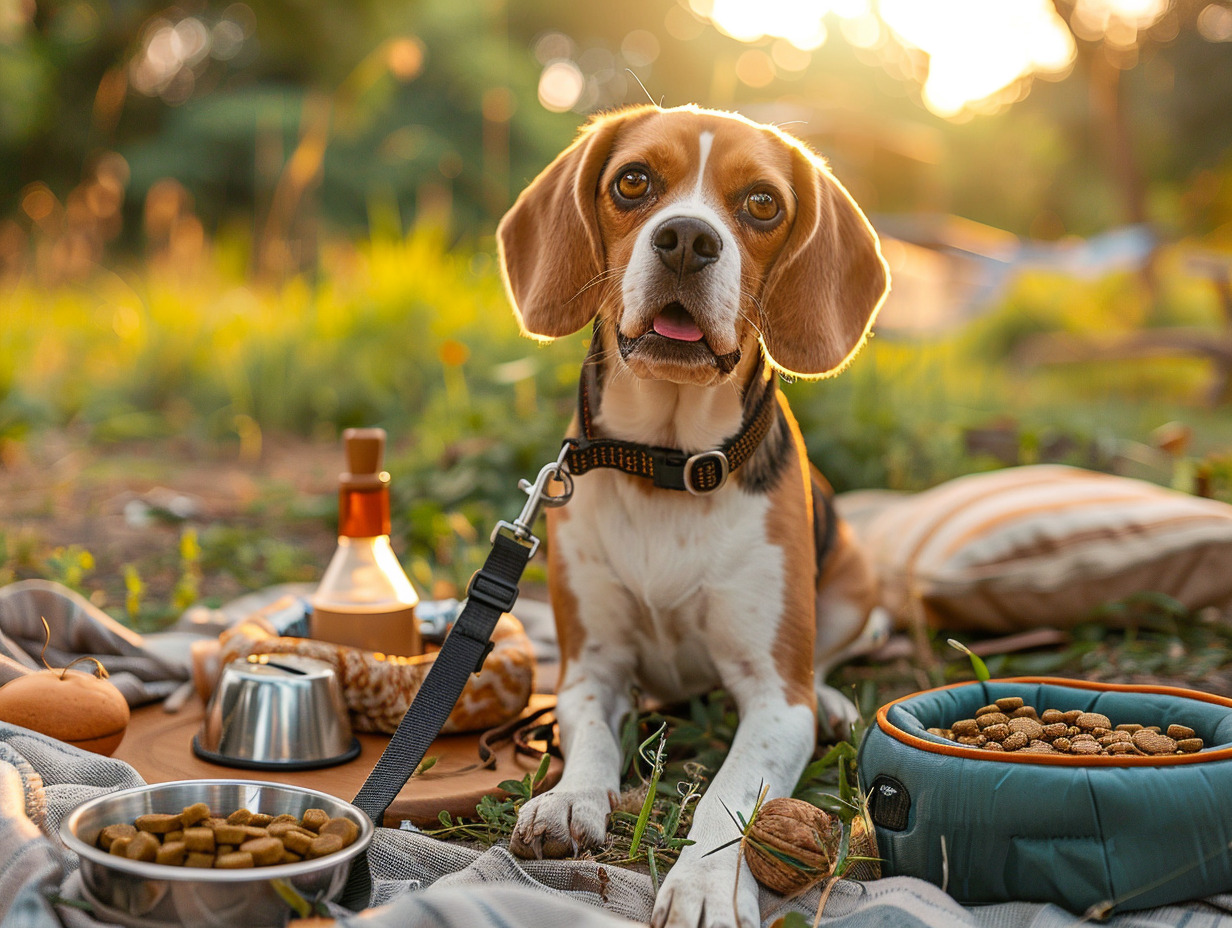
(603, 277)
(749, 319)
(763, 329)
(762, 324)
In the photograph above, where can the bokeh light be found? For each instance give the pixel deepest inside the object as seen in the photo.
(561, 85)
(975, 50)
(640, 48)
(755, 68)
(1215, 23)
(173, 54)
(1117, 21)
(798, 21)
(405, 56)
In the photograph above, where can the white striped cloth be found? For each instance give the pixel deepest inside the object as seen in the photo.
(1040, 545)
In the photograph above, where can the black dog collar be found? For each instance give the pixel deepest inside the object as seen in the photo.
(669, 468)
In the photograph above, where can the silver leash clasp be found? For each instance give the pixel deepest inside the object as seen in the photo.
(538, 498)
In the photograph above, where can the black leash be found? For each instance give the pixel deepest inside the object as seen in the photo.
(492, 591)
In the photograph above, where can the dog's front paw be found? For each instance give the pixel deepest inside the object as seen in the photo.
(835, 713)
(702, 893)
(561, 822)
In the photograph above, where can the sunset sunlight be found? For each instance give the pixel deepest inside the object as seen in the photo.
(975, 49)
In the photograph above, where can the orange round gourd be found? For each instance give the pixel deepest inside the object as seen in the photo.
(78, 708)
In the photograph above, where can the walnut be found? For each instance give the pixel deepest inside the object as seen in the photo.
(791, 845)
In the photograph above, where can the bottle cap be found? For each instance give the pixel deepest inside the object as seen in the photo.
(365, 452)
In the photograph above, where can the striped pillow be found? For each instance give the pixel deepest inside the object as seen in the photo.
(1041, 545)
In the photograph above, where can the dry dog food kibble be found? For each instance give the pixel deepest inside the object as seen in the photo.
(112, 832)
(196, 838)
(1010, 725)
(314, 818)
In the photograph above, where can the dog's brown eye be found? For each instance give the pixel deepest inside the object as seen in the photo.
(633, 185)
(762, 206)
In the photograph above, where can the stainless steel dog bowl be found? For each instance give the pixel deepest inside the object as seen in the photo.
(251, 897)
(276, 712)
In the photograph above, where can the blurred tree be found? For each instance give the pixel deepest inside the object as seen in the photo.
(282, 108)
(1108, 46)
(284, 115)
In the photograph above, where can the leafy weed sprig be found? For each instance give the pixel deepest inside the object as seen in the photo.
(496, 816)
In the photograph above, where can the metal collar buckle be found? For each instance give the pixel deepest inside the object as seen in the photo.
(702, 459)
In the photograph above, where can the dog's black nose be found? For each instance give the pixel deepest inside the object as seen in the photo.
(686, 245)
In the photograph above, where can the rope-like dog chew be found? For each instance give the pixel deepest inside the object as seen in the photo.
(378, 689)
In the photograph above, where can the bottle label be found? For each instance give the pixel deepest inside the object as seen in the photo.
(393, 631)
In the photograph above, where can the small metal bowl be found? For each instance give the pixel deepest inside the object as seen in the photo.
(276, 712)
(208, 898)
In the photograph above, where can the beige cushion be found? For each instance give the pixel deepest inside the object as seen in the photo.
(1041, 545)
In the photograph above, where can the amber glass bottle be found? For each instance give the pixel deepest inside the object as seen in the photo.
(365, 599)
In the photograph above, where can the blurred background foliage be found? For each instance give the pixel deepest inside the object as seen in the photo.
(223, 221)
(279, 116)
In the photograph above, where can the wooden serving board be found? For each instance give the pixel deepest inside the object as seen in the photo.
(158, 745)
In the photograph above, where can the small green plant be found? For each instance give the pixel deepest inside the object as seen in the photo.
(793, 920)
(496, 816)
(977, 664)
(70, 565)
(834, 770)
(654, 838)
(134, 589)
(6, 571)
(188, 586)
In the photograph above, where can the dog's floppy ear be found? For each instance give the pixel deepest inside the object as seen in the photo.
(551, 254)
(827, 284)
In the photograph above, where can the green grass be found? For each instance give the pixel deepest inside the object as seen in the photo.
(417, 337)
(669, 756)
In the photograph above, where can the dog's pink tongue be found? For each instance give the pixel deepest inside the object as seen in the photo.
(678, 326)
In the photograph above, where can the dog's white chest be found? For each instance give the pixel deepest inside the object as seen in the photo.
(669, 580)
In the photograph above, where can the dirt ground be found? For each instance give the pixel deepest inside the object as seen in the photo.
(129, 505)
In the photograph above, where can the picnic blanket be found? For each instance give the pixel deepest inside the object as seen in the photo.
(420, 881)
(417, 880)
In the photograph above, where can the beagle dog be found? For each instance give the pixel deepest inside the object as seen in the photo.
(711, 253)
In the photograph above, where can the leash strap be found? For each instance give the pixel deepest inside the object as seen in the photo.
(670, 468)
(493, 590)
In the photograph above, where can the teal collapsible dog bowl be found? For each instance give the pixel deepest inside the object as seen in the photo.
(1103, 833)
